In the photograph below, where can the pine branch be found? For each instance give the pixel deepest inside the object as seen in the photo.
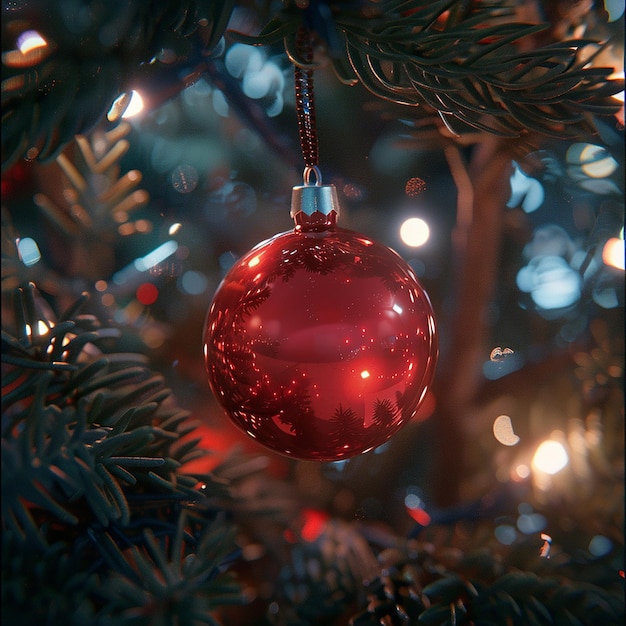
(461, 59)
(97, 517)
(97, 199)
(79, 430)
(174, 569)
(416, 583)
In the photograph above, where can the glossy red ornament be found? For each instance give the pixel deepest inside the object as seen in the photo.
(320, 343)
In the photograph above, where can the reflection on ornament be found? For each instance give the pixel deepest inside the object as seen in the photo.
(320, 343)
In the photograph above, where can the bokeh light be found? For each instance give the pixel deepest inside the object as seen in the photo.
(158, 255)
(261, 78)
(147, 293)
(30, 40)
(521, 471)
(135, 106)
(546, 548)
(526, 191)
(587, 159)
(219, 103)
(550, 457)
(613, 253)
(414, 186)
(28, 251)
(615, 9)
(184, 178)
(414, 232)
(505, 534)
(551, 282)
(499, 354)
(42, 328)
(600, 545)
(193, 283)
(530, 523)
(503, 431)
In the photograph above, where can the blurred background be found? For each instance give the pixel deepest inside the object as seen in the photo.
(519, 243)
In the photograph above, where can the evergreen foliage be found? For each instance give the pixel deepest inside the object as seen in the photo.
(423, 583)
(459, 58)
(98, 522)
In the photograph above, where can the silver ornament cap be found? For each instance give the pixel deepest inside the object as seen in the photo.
(314, 206)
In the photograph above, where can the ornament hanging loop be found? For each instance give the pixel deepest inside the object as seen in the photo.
(312, 170)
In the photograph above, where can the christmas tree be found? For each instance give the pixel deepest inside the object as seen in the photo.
(147, 146)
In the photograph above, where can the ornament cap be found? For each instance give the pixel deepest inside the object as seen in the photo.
(314, 207)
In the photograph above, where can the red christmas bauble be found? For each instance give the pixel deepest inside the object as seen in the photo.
(320, 343)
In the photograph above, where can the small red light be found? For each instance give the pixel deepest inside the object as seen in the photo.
(420, 516)
(314, 522)
(147, 293)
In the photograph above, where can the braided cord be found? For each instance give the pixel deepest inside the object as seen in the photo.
(305, 106)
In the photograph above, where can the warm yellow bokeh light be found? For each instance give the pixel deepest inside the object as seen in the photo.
(550, 457)
(414, 232)
(135, 105)
(522, 471)
(613, 253)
